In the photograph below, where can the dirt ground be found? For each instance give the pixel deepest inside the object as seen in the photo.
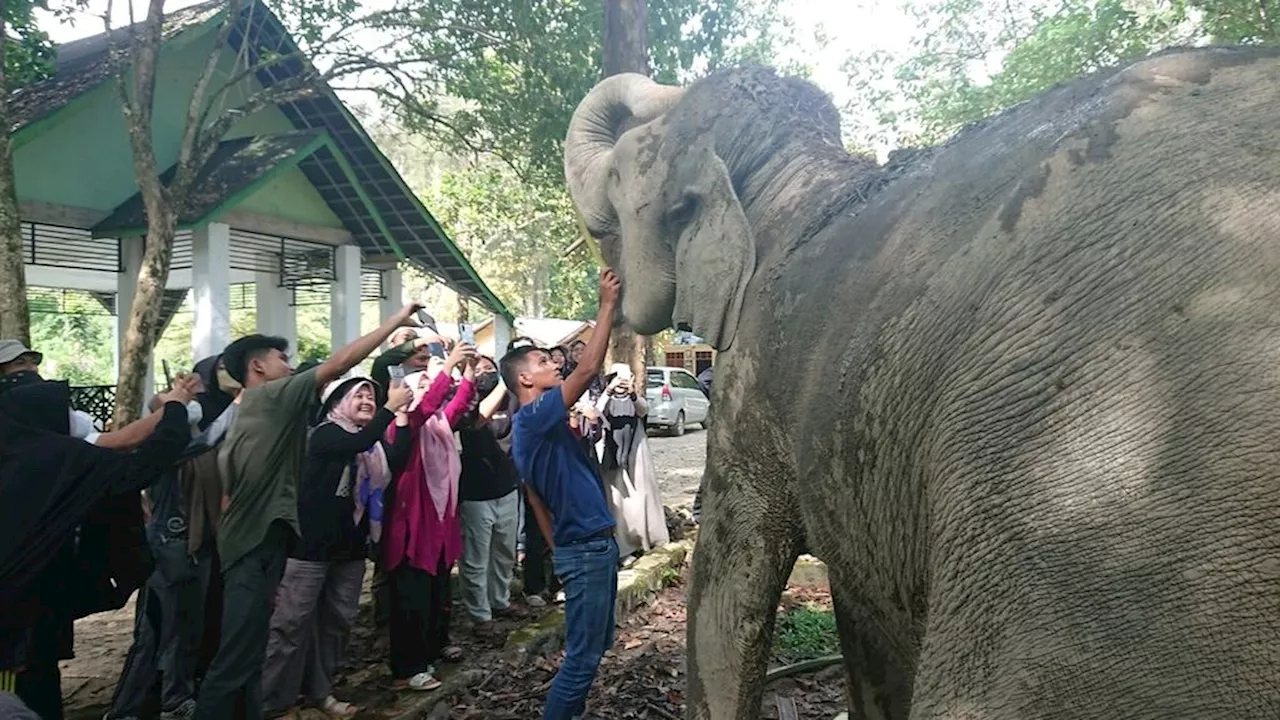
(641, 678)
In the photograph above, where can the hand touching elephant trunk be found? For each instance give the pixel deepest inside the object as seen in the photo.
(715, 250)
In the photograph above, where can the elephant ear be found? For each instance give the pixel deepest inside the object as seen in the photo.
(715, 251)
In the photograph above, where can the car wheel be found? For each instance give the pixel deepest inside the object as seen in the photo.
(678, 429)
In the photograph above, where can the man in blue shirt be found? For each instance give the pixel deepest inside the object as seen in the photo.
(568, 501)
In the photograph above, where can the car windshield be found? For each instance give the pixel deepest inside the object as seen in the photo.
(653, 378)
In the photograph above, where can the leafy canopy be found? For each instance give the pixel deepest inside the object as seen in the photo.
(973, 58)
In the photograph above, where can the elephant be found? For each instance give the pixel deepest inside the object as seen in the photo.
(1020, 392)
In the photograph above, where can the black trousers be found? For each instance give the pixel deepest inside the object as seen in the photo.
(40, 687)
(538, 575)
(249, 590)
(168, 626)
(421, 605)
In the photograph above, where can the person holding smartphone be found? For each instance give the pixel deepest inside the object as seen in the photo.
(627, 466)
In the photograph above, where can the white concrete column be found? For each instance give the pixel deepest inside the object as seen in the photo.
(131, 249)
(276, 313)
(502, 332)
(344, 298)
(211, 289)
(392, 293)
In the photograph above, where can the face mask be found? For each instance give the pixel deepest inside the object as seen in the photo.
(14, 380)
(486, 383)
(195, 413)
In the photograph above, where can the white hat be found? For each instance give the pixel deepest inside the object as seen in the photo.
(350, 379)
(11, 350)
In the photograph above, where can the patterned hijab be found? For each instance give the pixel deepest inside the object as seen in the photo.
(373, 473)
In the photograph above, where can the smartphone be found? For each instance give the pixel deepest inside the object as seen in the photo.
(397, 375)
(466, 333)
(168, 376)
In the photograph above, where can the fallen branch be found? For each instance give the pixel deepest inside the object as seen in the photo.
(660, 712)
(801, 668)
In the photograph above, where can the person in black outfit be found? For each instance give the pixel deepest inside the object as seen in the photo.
(52, 487)
(490, 506)
(340, 503)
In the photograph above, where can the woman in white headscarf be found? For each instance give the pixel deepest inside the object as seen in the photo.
(627, 466)
(348, 469)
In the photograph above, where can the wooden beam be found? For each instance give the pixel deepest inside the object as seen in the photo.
(381, 262)
(43, 213)
(267, 225)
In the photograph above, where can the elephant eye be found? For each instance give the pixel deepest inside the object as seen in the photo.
(682, 212)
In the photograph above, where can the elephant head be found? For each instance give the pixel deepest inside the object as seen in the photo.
(678, 178)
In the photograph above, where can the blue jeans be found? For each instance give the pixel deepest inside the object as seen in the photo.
(589, 573)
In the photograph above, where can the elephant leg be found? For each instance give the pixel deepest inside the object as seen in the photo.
(879, 686)
(747, 546)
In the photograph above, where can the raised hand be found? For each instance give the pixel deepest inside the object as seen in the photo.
(610, 287)
(461, 353)
(184, 390)
(408, 315)
(398, 398)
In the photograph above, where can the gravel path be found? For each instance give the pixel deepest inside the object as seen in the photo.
(679, 462)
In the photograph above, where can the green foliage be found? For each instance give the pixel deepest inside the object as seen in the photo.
(520, 68)
(974, 58)
(28, 53)
(515, 234)
(75, 333)
(805, 632)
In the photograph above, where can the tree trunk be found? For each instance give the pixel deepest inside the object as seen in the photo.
(144, 320)
(625, 50)
(15, 322)
(626, 46)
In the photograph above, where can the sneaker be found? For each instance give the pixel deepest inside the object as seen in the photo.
(535, 601)
(185, 711)
(559, 598)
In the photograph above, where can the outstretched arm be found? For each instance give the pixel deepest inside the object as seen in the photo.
(135, 433)
(352, 355)
(593, 357)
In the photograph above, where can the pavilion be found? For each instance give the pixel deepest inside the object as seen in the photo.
(296, 198)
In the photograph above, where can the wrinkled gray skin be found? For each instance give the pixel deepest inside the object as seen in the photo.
(1021, 393)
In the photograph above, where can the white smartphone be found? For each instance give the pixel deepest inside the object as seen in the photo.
(466, 333)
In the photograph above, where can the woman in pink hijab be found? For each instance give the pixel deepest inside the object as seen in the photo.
(422, 537)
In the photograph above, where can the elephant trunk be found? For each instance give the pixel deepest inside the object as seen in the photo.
(613, 106)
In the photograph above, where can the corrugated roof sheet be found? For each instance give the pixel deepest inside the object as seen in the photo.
(397, 212)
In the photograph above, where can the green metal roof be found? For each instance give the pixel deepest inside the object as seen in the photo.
(237, 169)
(355, 179)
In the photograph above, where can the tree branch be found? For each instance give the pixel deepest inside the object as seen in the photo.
(196, 108)
(418, 110)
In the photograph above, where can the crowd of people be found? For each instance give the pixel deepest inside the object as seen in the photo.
(269, 490)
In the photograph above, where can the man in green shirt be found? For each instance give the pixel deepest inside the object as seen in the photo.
(260, 461)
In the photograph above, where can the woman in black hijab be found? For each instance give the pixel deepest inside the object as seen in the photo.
(56, 565)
